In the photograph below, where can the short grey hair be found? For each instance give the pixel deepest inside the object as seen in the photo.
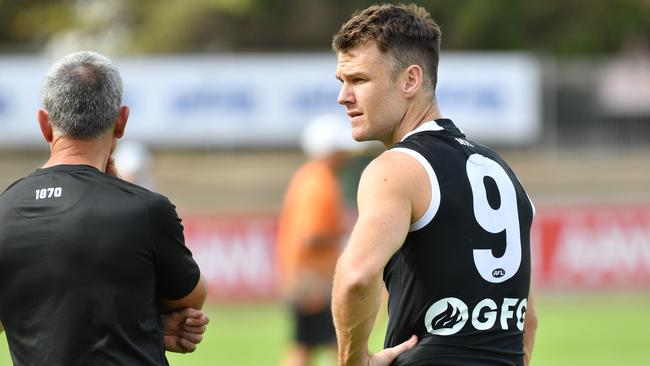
(82, 94)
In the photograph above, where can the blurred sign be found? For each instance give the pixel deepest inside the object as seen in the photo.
(264, 100)
(235, 254)
(623, 86)
(20, 87)
(602, 247)
(493, 97)
(592, 247)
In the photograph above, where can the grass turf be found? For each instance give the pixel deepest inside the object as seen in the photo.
(576, 330)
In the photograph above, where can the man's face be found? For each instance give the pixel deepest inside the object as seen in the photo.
(373, 100)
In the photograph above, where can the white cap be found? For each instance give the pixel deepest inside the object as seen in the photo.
(132, 157)
(327, 134)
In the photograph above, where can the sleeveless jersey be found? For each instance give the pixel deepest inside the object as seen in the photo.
(460, 281)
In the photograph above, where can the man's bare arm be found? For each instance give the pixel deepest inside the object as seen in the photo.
(385, 212)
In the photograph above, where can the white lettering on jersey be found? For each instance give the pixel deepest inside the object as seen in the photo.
(490, 315)
(44, 193)
(506, 313)
(521, 313)
(504, 218)
(449, 315)
(463, 142)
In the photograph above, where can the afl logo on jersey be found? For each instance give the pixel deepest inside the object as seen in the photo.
(498, 273)
(446, 316)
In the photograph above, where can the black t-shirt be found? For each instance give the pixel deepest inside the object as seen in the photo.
(460, 281)
(84, 260)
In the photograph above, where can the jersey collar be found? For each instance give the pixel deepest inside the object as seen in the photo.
(426, 126)
(65, 168)
(441, 124)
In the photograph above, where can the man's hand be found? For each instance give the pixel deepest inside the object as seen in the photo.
(111, 168)
(183, 329)
(387, 356)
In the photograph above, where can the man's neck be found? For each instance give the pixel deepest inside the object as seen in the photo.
(93, 152)
(413, 118)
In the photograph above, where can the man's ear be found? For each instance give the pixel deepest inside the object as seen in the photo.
(413, 79)
(46, 127)
(120, 125)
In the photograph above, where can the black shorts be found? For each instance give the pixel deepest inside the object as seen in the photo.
(313, 329)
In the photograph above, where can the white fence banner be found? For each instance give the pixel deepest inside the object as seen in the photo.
(264, 100)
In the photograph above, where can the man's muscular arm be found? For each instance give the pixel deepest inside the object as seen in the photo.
(385, 211)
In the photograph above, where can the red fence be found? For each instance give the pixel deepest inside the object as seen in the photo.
(592, 247)
(584, 247)
(236, 254)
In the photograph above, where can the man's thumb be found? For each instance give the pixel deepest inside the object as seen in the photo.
(393, 352)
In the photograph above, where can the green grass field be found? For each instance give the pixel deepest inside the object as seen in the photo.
(590, 330)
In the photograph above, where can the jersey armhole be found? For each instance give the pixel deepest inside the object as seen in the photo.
(434, 204)
(532, 205)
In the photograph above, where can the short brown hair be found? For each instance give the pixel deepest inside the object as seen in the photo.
(407, 32)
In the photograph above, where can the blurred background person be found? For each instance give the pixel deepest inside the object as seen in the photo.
(310, 234)
(135, 163)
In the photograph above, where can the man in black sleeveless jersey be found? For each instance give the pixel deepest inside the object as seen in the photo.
(442, 219)
(93, 270)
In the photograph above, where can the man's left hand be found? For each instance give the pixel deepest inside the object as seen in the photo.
(184, 329)
(388, 355)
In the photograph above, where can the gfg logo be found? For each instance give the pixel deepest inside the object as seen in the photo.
(446, 316)
(449, 315)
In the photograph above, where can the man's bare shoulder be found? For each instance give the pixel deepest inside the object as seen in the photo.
(394, 167)
(396, 176)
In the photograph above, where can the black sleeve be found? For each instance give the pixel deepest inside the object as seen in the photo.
(177, 272)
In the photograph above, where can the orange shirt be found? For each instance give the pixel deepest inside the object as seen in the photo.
(313, 208)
